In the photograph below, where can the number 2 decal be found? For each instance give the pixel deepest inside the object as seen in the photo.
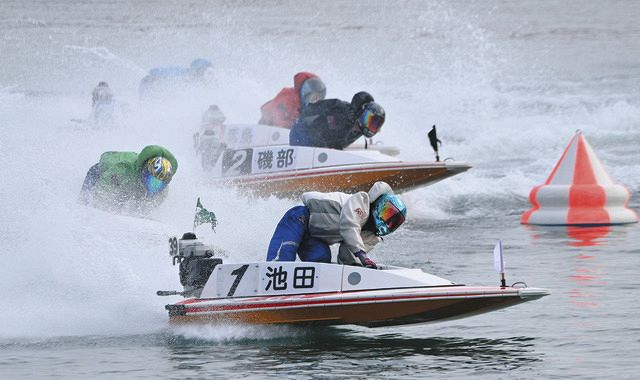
(239, 273)
(237, 162)
(238, 159)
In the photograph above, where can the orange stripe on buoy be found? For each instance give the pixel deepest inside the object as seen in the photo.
(532, 198)
(583, 171)
(586, 198)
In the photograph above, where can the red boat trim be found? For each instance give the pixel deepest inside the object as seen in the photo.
(199, 309)
(324, 294)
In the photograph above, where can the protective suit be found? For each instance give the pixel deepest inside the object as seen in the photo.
(117, 181)
(335, 124)
(326, 219)
(162, 79)
(102, 104)
(101, 94)
(208, 141)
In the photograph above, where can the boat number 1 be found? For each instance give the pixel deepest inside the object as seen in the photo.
(239, 273)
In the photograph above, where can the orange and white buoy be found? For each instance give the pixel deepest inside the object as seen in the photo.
(579, 192)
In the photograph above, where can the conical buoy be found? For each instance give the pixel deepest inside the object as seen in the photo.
(579, 192)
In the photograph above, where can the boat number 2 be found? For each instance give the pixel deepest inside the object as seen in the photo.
(238, 159)
(239, 273)
(237, 162)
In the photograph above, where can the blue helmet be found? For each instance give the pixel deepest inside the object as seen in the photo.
(312, 90)
(388, 212)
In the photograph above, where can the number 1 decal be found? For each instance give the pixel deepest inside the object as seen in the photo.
(239, 273)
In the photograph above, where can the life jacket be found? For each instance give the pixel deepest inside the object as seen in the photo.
(329, 123)
(340, 217)
(284, 109)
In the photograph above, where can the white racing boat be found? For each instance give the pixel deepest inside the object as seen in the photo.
(322, 294)
(259, 159)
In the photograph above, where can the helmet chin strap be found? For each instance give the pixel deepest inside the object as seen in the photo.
(360, 127)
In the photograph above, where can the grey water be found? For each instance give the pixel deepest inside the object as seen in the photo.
(507, 83)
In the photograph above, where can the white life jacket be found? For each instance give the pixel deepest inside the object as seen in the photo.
(339, 217)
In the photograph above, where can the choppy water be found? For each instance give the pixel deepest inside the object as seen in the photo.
(508, 83)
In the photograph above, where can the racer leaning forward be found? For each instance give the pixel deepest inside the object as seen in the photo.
(356, 221)
(336, 124)
(161, 79)
(129, 180)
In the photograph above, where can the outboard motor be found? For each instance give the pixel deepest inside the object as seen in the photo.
(196, 264)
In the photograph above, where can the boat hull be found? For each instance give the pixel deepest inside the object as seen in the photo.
(368, 308)
(400, 176)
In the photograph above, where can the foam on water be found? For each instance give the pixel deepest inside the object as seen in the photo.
(71, 269)
(74, 270)
(220, 333)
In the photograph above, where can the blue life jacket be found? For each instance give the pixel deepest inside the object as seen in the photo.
(169, 72)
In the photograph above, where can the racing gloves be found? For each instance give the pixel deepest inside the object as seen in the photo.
(366, 262)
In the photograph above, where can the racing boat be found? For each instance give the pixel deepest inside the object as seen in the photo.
(258, 159)
(322, 294)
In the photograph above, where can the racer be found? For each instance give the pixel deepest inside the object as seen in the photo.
(356, 221)
(161, 78)
(101, 93)
(336, 124)
(211, 118)
(208, 142)
(129, 180)
(285, 108)
(102, 103)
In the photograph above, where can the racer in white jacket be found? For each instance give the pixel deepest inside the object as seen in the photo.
(356, 221)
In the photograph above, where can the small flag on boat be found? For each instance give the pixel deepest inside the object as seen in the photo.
(498, 262)
(498, 257)
(204, 216)
(434, 141)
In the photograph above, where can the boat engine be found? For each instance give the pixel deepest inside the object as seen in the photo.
(196, 263)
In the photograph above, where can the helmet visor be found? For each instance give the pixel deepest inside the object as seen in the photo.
(370, 122)
(391, 216)
(160, 167)
(153, 184)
